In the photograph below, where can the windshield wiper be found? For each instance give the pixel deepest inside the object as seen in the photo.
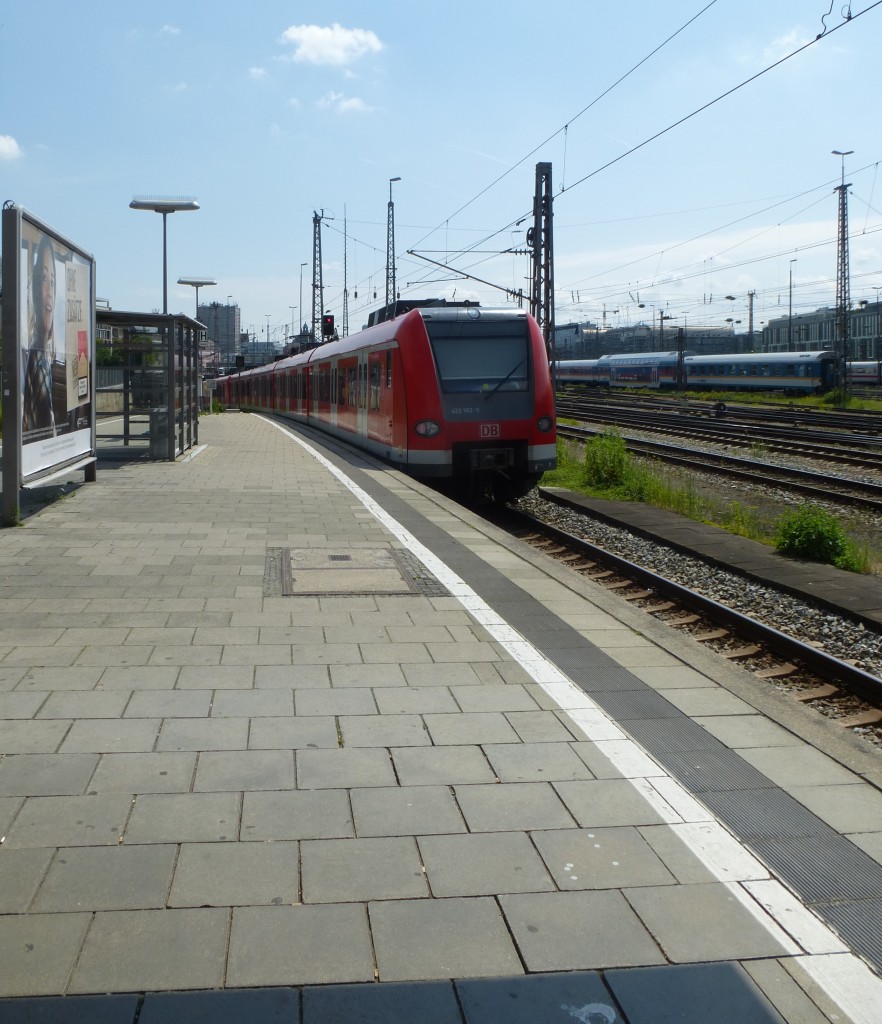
(496, 387)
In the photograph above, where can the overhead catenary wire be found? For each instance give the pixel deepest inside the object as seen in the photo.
(680, 121)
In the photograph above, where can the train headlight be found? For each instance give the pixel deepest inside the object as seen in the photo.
(427, 428)
(545, 424)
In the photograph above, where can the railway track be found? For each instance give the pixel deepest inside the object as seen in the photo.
(836, 420)
(860, 450)
(836, 687)
(816, 485)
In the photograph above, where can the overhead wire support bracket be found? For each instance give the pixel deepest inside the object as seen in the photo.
(516, 295)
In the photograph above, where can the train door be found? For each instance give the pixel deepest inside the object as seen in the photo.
(362, 422)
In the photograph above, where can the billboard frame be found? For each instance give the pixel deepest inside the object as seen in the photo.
(82, 450)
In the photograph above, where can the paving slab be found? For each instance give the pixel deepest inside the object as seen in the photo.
(236, 874)
(184, 818)
(361, 870)
(268, 1006)
(107, 878)
(39, 951)
(228, 803)
(699, 923)
(299, 945)
(103, 1009)
(134, 951)
(395, 811)
(451, 938)
(483, 864)
(428, 1003)
(517, 805)
(297, 814)
(46, 821)
(722, 993)
(578, 930)
(550, 998)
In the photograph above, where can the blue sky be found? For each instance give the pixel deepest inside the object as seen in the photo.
(269, 111)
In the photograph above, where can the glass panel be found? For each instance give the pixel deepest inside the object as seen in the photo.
(481, 357)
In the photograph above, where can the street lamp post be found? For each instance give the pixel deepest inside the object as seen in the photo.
(300, 309)
(267, 315)
(197, 283)
(165, 207)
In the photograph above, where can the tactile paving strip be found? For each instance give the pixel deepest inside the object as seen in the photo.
(708, 770)
(765, 814)
(859, 921)
(805, 864)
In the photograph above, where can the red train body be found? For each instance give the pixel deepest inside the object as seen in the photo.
(457, 394)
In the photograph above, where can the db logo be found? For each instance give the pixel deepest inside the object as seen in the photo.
(489, 430)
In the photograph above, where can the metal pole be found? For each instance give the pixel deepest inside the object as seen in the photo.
(300, 310)
(790, 313)
(164, 265)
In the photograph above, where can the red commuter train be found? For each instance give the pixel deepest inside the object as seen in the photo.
(456, 394)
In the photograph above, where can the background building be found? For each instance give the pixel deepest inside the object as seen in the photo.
(221, 329)
(588, 340)
(813, 332)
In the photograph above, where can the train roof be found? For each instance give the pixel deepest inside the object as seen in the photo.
(386, 330)
(641, 358)
(751, 358)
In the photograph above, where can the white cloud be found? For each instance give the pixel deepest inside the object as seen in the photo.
(342, 104)
(317, 44)
(294, 103)
(256, 73)
(170, 30)
(180, 87)
(783, 45)
(353, 103)
(9, 148)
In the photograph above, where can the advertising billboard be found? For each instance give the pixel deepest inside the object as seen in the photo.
(54, 348)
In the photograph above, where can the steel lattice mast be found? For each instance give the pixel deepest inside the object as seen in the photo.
(317, 287)
(541, 242)
(391, 295)
(843, 297)
(345, 284)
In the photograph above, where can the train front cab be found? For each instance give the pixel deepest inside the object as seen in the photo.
(495, 403)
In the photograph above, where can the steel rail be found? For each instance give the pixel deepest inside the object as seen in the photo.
(824, 665)
(796, 480)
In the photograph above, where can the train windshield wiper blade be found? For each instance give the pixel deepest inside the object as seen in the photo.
(496, 387)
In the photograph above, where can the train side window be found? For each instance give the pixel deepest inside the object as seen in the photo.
(375, 384)
(791, 370)
(351, 385)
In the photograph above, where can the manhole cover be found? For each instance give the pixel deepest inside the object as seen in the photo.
(301, 572)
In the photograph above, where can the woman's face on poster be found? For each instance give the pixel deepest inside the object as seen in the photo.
(45, 290)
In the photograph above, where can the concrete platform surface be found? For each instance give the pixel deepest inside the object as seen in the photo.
(288, 737)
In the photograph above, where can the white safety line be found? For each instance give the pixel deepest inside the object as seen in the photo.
(845, 978)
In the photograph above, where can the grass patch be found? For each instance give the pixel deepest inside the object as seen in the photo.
(606, 469)
(813, 533)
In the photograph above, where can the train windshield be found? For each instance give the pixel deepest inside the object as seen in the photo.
(481, 356)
